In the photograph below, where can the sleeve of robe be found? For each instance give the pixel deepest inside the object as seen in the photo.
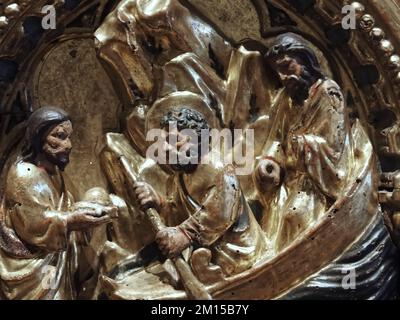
(34, 216)
(319, 149)
(219, 211)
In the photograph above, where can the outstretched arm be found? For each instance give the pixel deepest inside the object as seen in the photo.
(36, 217)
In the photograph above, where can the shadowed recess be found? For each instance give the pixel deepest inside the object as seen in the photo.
(33, 29)
(382, 119)
(71, 4)
(366, 75)
(302, 6)
(279, 17)
(8, 70)
(337, 35)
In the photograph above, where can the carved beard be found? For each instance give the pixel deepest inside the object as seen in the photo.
(60, 160)
(187, 167)
(300, 90)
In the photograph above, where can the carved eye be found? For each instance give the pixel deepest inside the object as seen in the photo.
(61, 135)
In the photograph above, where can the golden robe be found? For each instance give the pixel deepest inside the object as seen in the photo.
(210, 206)
(314, 148)
(34, 210)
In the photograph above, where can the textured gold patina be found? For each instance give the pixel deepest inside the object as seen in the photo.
(208, 56)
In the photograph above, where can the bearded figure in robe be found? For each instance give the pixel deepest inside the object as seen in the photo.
(307, 159)
(42, 228)
(152, 49)
(204, 206)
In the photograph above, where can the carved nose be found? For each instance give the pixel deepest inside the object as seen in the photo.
(68, 145)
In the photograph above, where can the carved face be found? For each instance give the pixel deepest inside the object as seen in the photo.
(294, 76)
(182, 150)
(184, 129)
(289, 70)
(57, 144)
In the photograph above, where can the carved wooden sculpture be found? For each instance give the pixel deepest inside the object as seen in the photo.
(320, 100)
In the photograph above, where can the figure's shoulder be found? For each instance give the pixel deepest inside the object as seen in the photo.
(331, 87)
(21, 177)
(216, 170)
(22, 172)
(333, 91)
(212, 163)
(328, 83)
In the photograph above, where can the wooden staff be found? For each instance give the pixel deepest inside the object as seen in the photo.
(194, 288)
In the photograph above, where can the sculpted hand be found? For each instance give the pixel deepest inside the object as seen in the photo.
(95, 209)
(147, 196)
(172, 241)
(269, 172)
(86, 217)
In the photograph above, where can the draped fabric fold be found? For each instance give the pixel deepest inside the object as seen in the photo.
(34, 212)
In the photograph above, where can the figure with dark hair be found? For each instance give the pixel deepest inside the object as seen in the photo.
(38, 124)
(41, 224)
(182, 119)
(297, 66)
(204, 206)
(304, 167)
